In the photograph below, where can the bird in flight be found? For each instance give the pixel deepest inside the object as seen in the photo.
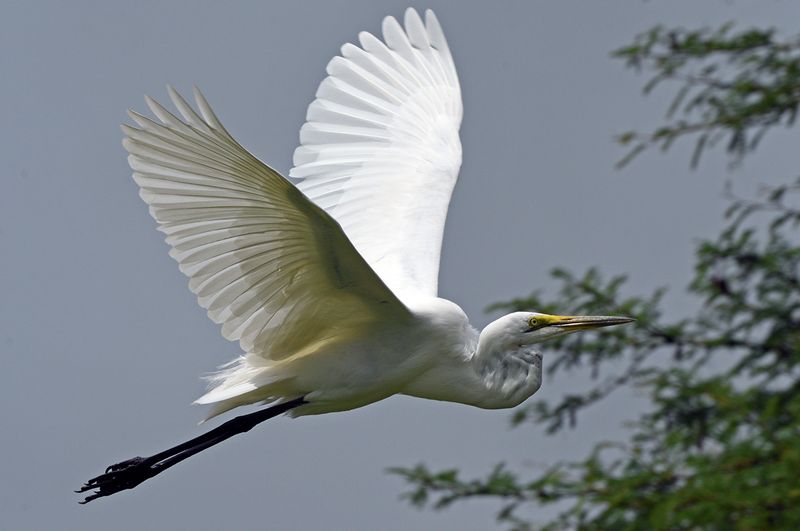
(330, 286)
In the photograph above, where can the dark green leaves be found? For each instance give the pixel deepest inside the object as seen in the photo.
(732, 86)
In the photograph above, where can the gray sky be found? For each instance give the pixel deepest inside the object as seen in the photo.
(103, 343)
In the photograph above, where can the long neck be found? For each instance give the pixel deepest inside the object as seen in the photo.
(483, 376)
(508, 375)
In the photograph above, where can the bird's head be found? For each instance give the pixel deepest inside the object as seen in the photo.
(527, 328)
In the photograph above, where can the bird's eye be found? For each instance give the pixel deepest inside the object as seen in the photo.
(533, 322)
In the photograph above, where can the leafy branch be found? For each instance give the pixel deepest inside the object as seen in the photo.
(734, 86)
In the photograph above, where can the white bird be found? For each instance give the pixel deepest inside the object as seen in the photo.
(330, 286)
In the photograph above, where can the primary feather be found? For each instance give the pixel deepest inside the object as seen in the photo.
(380, 149)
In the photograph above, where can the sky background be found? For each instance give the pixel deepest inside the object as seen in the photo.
(103, 344)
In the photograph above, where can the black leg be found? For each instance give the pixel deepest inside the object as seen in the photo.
(128, 474)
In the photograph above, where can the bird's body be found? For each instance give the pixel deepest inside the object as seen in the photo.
(330, 286)
(376, 361)
(433, 353)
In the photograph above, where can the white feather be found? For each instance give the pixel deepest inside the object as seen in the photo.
(273, 269)
(380, 149)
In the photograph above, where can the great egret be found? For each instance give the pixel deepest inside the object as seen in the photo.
(330, 287)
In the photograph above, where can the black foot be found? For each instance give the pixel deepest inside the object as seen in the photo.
(130, 473)
(118, 477)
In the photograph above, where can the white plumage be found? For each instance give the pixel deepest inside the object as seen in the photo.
(380, 150)
(330, 287)
(380, 154)
(332, 292)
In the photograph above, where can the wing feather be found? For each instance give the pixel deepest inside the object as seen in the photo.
(275, 270)
(380, 149)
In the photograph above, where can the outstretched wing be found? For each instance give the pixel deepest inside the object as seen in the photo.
(273, 268)
(380, 149)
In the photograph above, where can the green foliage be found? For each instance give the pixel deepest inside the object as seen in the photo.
(733, 85)
(719, 445)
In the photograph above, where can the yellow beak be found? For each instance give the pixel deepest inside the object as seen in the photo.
(585, 322)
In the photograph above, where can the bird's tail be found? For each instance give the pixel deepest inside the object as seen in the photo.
(245, 380)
